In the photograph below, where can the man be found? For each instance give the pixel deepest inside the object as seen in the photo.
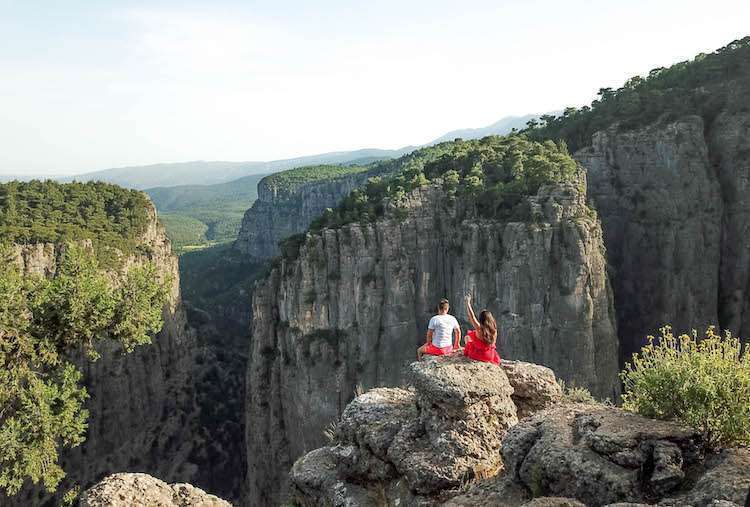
(441, 329)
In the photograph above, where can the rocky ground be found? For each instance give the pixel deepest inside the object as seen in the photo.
(452, 437)
(142, 490)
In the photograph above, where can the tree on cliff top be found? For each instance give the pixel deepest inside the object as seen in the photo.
(703, 86)
(493, 174)
(42, 322)
(112, 217)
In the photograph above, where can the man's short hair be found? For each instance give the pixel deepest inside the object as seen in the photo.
(443, 305)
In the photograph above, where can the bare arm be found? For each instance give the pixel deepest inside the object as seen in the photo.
(457, 337)
(429, 336)
(470, 311)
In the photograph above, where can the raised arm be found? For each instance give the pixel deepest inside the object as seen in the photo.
(470, 311)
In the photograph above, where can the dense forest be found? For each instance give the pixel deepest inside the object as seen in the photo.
(47, 211)
(704, 86)
(199, 215)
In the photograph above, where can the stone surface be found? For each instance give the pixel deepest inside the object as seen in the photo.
(602, 455)
(675, 209)
(280, 213)
(411, 445)
(534, 386)
(142, 490)
(353, 307)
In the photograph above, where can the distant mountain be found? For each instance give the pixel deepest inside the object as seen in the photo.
(186, 197)
(499, 128)
(208, 173)
(25, 177)
(212, 172)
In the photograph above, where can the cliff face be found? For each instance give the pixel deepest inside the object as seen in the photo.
(353, 307)
(140, 403)
(280, 213)
(675, 209)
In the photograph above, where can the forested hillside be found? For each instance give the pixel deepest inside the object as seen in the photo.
(493, 174)
(202, 214)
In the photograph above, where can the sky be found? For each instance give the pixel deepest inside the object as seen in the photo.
(90, 85)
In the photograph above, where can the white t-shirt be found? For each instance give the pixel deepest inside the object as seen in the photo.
(442, 329)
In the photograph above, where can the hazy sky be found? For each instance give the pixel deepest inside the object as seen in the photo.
(88, 85)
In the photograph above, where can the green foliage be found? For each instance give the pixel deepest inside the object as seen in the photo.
(702, 382)
(217, 276)
(46, 211)
(288, 181)
(195, 215)
(492, 174)
(704, 86)
(183, 230)
(42, 321)
(573, 394)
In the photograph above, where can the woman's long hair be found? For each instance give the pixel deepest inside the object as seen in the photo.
(488, 326)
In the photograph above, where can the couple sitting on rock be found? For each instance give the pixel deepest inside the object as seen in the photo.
(444, 335)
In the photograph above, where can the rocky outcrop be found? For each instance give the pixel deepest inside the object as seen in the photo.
(136, 490)
(353, 307)
(141, 404)
(602, 455)
(279, 213)
(409, 446)
(673, 200)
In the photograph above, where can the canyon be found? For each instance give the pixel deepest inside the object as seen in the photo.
(351, 310)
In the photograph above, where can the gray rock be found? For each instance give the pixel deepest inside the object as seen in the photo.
(602, 455)
(410, 446)
(534, 386)
(280, 213)
(674, 200)
(142, 490)
(353, 307)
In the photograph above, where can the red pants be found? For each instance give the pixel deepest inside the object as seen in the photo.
(437, 351)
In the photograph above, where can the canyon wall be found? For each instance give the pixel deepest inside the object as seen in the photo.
(352, 308)
(141, 404)
(674, 201)
(282, 212)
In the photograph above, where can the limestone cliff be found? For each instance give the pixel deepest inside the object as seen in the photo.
(282, 212)
(674, 202)
(141, 403)
(353, 307)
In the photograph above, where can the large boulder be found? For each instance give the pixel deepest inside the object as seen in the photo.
(413, 444)
(142, 490)
(534, 386)
(603, 455)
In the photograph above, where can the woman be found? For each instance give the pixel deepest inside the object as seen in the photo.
(480, 342)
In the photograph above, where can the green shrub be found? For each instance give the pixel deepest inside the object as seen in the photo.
(42, 321)
(702, 382)
(573, 394)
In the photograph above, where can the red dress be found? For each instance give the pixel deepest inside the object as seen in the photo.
(478, 350)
